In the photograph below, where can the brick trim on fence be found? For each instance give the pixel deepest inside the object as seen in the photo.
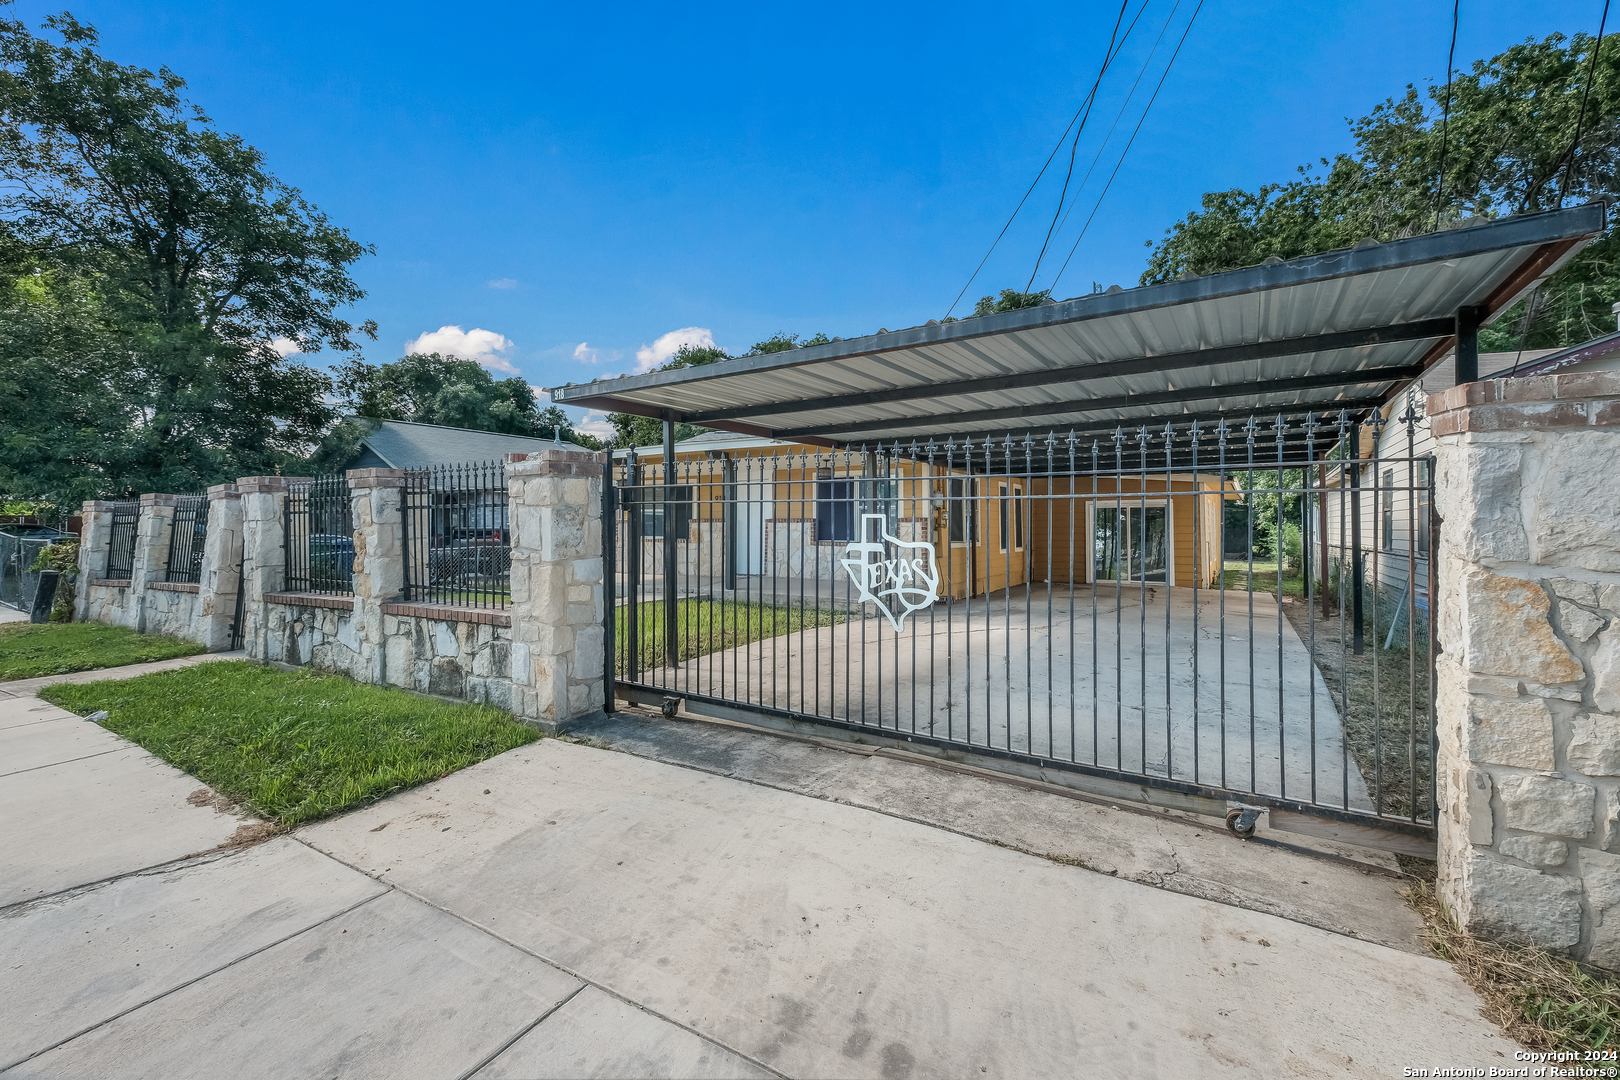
(561, 463)
(1574, 400)
(110, 582)
(174, 586)
(449, 613)
(307, 599)
(273, 485)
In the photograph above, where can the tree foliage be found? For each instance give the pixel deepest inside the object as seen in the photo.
(1010, 300)
(632, 430)
(1509, 148)
(149, 262)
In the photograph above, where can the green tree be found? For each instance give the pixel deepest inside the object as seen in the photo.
(429, 388)
(195, 258)
(1509, 148)
(781, 342)
(1010, 300)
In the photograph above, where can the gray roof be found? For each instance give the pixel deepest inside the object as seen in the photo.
(402, 444)
(1342, 330)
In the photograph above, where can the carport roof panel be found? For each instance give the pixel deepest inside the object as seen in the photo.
(848, 389)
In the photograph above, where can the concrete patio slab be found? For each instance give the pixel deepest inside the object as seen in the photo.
(597, 1035)
(391, 989)
(21, 687)
(826, 940)
(81, 959)
(63, 738)
(83, 821)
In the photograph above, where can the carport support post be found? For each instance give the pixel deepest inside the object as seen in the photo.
(672, 642)
(264, 553)
(1466, 348)
(220, 580)
(557, 586)
(1358, 635)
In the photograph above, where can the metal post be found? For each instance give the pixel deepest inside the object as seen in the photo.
(1358, 634)
(728, 522)
(1467, 344)
(636, 502)
(672, 644)
(1322, 522)
(609, 580)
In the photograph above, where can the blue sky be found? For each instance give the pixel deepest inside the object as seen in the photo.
(585, 184)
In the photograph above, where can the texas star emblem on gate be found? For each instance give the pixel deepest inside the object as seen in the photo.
(898, 586)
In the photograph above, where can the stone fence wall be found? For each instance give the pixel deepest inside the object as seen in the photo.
(1528, 677)
(541, 658)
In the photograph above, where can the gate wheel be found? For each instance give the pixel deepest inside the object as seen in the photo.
(1241, 820)
(670, 707)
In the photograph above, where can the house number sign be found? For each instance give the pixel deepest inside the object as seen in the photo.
(899, 585)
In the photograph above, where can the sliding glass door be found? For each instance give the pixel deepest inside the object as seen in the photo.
(1131, 543)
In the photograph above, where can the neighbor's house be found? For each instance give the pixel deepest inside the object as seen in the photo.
(791, 508)
(1395, 487)
(403, 444)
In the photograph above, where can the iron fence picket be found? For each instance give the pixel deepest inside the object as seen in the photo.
(318, 536)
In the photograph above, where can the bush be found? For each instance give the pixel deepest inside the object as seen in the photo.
(1293, 550)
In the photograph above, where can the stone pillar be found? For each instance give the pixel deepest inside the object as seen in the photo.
(379, 567)
(557, 639)
(264, 554)
(151, 562)
(221, 569)
(95, 538)
(1528, 677)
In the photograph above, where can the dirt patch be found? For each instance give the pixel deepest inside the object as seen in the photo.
(250, 833)
(208, 797)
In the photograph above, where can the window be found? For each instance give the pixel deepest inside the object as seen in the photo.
(964, 521)
(651, 505)
(1389, 510)
(1012, 517)
(835, 510)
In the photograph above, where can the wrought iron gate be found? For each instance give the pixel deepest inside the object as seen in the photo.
(1237, 608)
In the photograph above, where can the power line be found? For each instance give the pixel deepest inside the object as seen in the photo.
(1131, 143)
(1586, 92)
(1063, 194)
(1445, 118)
(1107, 59)
(1124, 106)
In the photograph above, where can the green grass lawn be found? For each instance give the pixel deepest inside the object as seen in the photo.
(706, 626)
(29, 650)
(293, 746)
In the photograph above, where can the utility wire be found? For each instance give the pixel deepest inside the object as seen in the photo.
(1591, 74)
(1074, 146)
(1131, 143)
(1445, 117)
(1107, 59)
(1097, 157)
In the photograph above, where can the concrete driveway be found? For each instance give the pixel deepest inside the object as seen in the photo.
(569, 910)
(1139, 678)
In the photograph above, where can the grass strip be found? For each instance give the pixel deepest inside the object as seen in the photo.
(293, 746)
(29, 650)
(706, 626)
(1543, 1002)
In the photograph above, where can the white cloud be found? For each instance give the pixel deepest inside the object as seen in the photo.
(482, 346)
(660, 351)
(285, 346)
(596, 423)
(585, 354)
(504, 283)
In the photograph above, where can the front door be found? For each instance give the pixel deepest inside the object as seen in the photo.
(1131, 543)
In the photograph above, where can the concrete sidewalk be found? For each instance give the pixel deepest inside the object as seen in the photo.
(567, 910)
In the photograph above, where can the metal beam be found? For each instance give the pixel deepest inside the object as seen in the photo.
(1226, 354)
(1122, 401)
